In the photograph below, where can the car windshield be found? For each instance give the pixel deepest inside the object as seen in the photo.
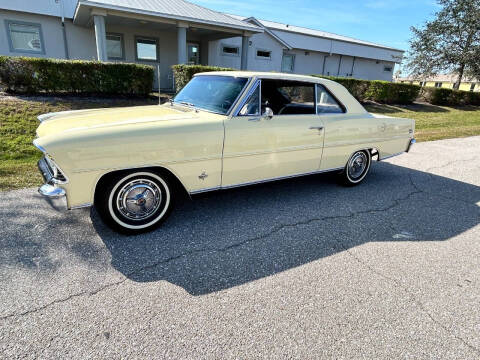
(211, 92)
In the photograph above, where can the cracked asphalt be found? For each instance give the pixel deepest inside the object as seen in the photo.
(300, 269)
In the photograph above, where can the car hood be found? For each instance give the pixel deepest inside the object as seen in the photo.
(69, 121)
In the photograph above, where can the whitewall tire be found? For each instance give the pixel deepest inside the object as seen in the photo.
(134, 202)
(357, 168)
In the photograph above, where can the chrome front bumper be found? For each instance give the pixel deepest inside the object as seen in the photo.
(55, 194)
(51, 191)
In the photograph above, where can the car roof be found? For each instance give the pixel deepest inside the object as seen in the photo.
(267, 75)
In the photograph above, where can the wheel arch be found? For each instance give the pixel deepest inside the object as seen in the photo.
(159, 170)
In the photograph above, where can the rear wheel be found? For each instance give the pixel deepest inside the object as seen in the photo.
(356, 169)
(134, 203)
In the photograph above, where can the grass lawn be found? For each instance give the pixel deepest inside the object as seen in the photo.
(435, 122)
(18, 121)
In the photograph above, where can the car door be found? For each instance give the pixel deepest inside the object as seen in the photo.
(345, 132)
(260, 145)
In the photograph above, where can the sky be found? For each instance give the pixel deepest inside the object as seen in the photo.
(386, 22)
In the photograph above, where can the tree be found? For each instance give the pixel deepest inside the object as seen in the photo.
(449, 43)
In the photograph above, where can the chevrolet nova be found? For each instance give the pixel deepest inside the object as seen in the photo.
(222, 130)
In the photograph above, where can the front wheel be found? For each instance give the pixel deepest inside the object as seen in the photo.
(356, 169)
(134, 203)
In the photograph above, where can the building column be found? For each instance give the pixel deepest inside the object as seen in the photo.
(100, 37)
(204, 49)
(182, 43)
(245, 46)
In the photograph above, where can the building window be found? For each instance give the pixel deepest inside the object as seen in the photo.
(387, 68)
(438, 84)
(147, 49)
(264, 54)
(230, 50)
(115, 47)
(472, 87)
(422, 83)
(288, 63)
(25, 37)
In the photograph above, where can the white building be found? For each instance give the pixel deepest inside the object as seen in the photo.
(163, 33)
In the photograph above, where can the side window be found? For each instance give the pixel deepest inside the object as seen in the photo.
(286, 97)
(252, 106)
(326, 103)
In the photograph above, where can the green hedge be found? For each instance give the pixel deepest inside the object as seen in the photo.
(442, 96)
(38, 75)
(184, 73)
(379, 91)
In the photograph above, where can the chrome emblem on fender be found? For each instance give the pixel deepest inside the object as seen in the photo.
(203, 176)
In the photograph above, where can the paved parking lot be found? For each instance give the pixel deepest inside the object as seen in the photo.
(301, 268)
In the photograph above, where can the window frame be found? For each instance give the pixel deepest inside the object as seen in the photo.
(157, 50)
(269, 58)
(440, 84)
(223, 53)
(122, 45)
(343, 107)
(257, 84)
(9, 22)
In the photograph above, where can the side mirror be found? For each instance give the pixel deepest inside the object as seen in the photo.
(268, 114)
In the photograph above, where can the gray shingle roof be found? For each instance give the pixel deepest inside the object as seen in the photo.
(312, 32)
(178, 9)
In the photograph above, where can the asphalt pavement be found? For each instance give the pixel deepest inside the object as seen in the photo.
(298, 269)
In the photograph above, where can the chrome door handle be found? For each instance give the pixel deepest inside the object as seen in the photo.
(255, 119)
(319, 128)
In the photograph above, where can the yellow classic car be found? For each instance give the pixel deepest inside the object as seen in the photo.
(222, 130)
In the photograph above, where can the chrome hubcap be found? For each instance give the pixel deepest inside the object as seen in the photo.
(357, 165)
(139, 199)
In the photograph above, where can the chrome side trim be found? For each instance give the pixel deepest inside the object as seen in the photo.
(205, 190)
(264, 181)
(80, 206)
(391, 156)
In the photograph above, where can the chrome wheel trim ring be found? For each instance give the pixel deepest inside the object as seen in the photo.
(360, 161)
(139, 199)
(166, 200)
(357, 165)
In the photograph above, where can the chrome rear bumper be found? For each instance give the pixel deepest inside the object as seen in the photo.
(413, 141)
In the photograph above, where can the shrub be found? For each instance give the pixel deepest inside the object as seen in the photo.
(442, 96)
(37, 75)
(356, 87)
(379, 91)
(184, 73)
(392, 93)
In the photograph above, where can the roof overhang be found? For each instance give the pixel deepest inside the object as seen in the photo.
(266, 30)
(85, 8)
